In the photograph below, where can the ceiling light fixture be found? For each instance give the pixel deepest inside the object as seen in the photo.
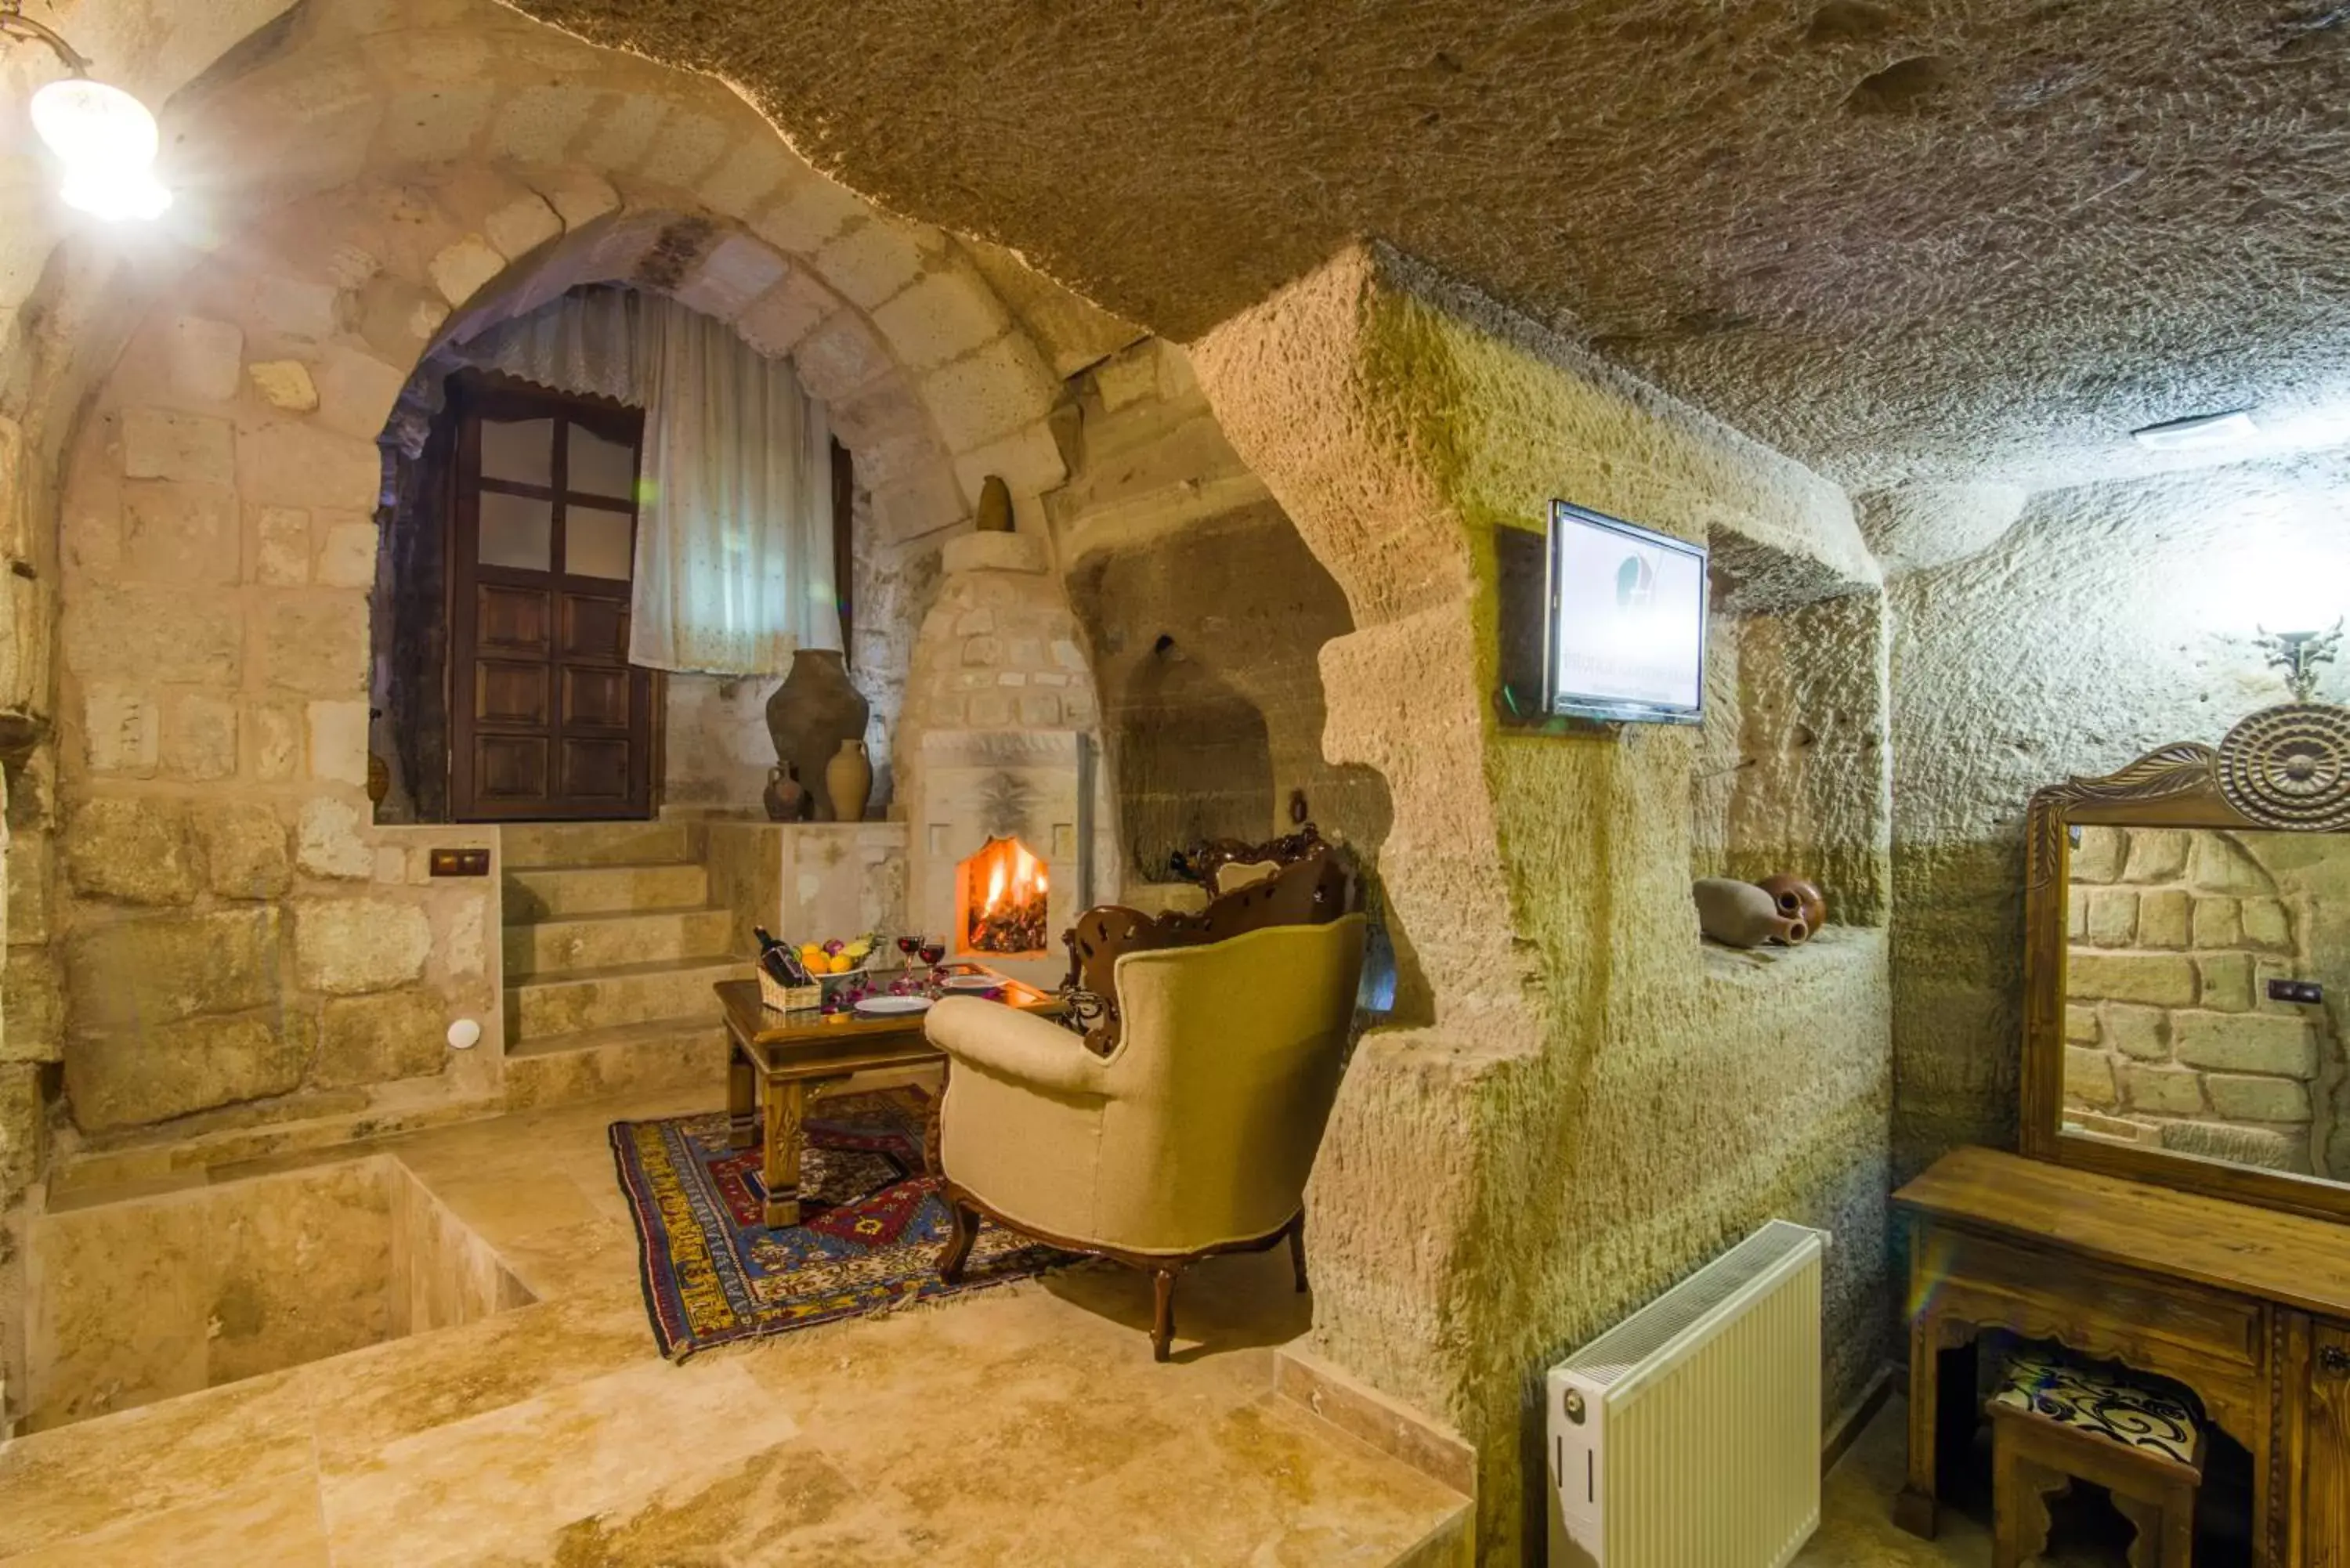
(105, 139)
(2201, 432)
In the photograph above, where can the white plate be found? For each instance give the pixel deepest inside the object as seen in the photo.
(888, 1006)
(971, 982)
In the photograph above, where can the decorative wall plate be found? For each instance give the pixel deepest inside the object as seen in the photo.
(2290, 766)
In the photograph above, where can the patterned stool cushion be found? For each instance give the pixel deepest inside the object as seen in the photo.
(2090, 1401)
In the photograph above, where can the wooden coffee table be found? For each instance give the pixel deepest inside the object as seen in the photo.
(783, 1060)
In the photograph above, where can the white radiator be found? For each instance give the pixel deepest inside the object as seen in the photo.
(1687, 1436)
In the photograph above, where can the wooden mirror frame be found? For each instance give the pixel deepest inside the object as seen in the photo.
(2284, 769)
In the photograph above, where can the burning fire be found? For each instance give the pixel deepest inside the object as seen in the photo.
(1008, 917)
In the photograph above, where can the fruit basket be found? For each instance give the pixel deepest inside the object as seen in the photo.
(856, 954)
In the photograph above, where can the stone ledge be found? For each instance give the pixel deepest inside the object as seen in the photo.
(993, 553)
(1834, 948)
(1362, 1412)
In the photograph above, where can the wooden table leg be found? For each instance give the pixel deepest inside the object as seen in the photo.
(1915, 1510)
(742, 1089)
(780, 1169)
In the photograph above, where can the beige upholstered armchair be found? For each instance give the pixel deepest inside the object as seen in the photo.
(1193, 1136)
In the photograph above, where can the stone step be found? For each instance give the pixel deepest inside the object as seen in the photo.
(623, 994)
(533, 844)
(546, 948)
(662, 1054)
(563, 892)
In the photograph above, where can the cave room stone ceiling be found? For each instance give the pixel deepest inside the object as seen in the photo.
(1941, 239)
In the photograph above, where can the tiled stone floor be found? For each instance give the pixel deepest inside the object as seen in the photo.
(1023, 1426)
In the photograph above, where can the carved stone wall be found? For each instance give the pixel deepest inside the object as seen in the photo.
(2110, 621)
(1593, 1107)
(1206, 616)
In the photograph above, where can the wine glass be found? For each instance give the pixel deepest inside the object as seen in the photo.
(910, 946)
(933, 951)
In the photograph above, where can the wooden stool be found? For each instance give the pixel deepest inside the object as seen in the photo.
(2053, 1423)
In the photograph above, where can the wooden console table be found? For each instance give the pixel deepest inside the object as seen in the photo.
(781, 1061)
(2249, 1307)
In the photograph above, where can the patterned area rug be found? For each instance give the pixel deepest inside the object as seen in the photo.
(870, 1231)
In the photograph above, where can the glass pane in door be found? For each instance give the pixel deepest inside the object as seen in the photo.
(520, 452)
(601, 467)
(596, 542)
(516, 531)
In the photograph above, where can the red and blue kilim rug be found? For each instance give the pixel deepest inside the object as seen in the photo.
(870, 1231)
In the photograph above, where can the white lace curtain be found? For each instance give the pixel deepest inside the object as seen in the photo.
(733, 567)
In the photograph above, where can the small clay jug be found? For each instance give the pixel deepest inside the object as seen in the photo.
(1743, 915)
(1797, 898)
(849, 781)
(786, 798)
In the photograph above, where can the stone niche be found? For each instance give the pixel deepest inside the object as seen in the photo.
(1000, 742)
(1792, 757)
(1206, 617)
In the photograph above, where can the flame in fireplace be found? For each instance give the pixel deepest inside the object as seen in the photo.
(1005, 893)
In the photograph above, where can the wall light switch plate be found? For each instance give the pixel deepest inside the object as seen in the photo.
(2302, 990)
(460, 863)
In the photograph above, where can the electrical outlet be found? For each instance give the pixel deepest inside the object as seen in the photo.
(2302, 990)
(461, 862)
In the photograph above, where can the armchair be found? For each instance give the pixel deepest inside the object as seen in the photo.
(1192, 1137)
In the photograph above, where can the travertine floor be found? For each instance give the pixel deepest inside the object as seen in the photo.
(1025, 1426)
(1857, 1523)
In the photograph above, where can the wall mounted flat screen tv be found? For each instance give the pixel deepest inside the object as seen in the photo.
(1625, 637)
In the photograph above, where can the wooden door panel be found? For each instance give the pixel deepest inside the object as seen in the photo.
(512, 619)
(551, 721)
(596, 698)
(2325, 1496)
(510, 768)
(595, 770)
(594, 627)
(510, 694)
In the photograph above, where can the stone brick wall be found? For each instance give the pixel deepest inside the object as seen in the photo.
(2171, 1038)
(203, 925)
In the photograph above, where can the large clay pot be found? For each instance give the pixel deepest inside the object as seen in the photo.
(1797, 898)
(811, 713)
(849, 780)
(1743, 915)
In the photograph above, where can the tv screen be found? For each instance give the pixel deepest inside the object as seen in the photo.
(1625, 639)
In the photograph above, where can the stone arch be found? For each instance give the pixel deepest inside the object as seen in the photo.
(353, 192)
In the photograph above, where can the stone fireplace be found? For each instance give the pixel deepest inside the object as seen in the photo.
(998, 760)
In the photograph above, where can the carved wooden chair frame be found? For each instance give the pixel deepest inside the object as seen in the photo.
(1314, 886)
(2283, 769)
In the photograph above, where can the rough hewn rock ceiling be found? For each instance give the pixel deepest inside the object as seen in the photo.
(1892, 237)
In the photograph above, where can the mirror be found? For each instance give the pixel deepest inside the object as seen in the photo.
(2187, 966)
(2206, 972)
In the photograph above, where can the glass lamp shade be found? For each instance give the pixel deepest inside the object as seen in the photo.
(107, 141)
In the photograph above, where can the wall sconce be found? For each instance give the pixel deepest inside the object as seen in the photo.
(105, 139)
(2298, 654)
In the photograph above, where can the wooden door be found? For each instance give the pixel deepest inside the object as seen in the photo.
(2326, 1479)
(549, 719)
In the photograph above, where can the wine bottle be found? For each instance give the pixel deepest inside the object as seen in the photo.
(781, 960)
